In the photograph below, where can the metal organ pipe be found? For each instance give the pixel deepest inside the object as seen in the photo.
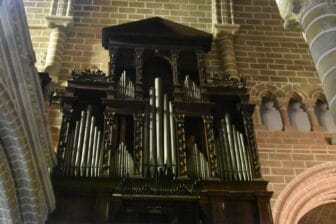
(172, 137)
(80, 143)
(166, 137)
(159, 126)
(198, 167)
(191, 90)
(234, 157)
(85, 141)
(231, 145)
(126, 87)
(152, 151)
(83, 147)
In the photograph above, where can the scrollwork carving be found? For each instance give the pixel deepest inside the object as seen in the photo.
(211, 145)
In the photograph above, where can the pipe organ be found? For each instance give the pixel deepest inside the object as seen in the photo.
(152, 128)
(81, 156)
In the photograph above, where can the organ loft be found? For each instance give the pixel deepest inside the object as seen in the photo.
(152, 141)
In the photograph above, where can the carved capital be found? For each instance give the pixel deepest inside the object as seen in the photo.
(292, 10)
(283, 102)
(62, 22)
(225, 28)
(309, 104)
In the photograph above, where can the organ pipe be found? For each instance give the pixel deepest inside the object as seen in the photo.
(152, 139)
(126, 88)
(234, 158)
(172, 137)
(198, 166)
(159, 125)
(80, 158)
(166, 124)
(191, 90)
(83, 154)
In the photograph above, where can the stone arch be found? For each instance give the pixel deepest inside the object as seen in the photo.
(312, 188)
(9, 206)
(293, 92)
(20, 161)
(317, 94)
(262, 89)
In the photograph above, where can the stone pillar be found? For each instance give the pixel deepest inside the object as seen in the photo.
(310, 109)
(60, 21)
(256, 115)
(283, 107)
(225, 34)
(55, 51)
(317, 20)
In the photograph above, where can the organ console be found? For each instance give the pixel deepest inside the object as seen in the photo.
(153, 128)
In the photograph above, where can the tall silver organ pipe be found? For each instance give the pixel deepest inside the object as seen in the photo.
(122, 162)
(159, 125)
(152, 132)
(198, 166)
(191, 90)
(79, 144)
(234, 157)
(172, 137)
(126, 87)
(166, 137)
(85, 141)
(83, 148)
(161, 148)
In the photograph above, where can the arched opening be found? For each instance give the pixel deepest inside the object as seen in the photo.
(323, 214)
(311, 189)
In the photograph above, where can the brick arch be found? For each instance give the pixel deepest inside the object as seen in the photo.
(20, 161)
(317, 94)
(8, 198)
(314, 187)
(262, 89)
(295, 92)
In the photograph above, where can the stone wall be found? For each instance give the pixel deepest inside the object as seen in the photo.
(274, 62)
(26, 194)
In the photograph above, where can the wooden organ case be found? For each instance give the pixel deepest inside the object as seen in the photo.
(152, 141)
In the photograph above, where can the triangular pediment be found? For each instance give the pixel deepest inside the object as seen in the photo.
(156, 31)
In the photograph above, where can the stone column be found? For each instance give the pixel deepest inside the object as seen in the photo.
(317, 20)
(60, 21)
(283, 107)
(224, 29)
(55, 51)
(225, 34)
(256, 115)
(310, 109)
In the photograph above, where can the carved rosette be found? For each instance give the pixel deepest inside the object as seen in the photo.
(181, 152)
(211, 145)
(139, 120)
(64, 132)
(247, 112)
(109, 122)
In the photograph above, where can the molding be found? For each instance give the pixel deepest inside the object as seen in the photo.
(60, 21)
(225, 28)
(37, 27)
